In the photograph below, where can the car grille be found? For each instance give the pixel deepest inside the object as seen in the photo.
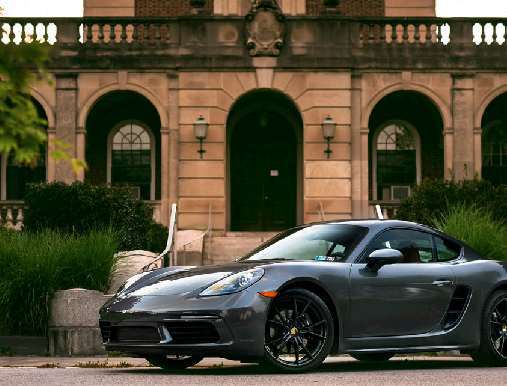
(134, 334)
(105, 330)
(188, 332)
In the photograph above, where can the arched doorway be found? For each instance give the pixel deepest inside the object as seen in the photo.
(264, 130)
(406, 144)
(494, 141)
(123, 143)
(17, 176)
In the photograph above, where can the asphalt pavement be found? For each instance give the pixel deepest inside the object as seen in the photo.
(434, 371)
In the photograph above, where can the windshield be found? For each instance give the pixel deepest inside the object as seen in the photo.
(327, 242)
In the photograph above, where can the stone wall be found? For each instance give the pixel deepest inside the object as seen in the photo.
(349, 7)
(167, 7)
(109, 7)
(410, 8)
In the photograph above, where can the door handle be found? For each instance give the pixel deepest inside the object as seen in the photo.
(443, 283)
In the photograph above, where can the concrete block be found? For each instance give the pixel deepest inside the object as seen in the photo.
(76, 308)
(74, 322)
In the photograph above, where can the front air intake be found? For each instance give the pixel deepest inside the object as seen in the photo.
(457, 306)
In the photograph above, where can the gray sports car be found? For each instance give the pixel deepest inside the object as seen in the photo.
(370, 289)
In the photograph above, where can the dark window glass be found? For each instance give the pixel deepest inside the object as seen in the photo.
(20, 176)
(494, 153)
(131, 159)
(396, 162)
(315, 242)
(417, 247)
(446, 249)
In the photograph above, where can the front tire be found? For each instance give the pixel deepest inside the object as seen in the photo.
(299, 331)
(493, 348)
(373, 357)
(173, 362)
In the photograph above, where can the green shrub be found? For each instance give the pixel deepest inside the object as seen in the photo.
(35, 265)
(157, 237)
(82, 207)
(432, 198)
(477, 228)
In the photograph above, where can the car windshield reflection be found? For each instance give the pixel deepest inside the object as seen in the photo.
(322, 242)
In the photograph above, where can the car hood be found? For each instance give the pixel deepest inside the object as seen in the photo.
(182, 281)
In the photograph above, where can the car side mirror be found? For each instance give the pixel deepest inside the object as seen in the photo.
(381, 257)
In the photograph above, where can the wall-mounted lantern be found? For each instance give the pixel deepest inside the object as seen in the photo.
(197, 6)
(328, 131)
(200, 132)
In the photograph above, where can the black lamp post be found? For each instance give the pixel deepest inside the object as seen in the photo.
(328, 131)
(200, 132)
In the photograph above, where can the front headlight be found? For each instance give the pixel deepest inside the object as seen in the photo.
(234, 283)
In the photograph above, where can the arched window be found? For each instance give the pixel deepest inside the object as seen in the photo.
(18, 177)
(131, 159)
(494, 152)
(396, 161)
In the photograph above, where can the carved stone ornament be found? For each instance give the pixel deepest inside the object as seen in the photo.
(265, 27)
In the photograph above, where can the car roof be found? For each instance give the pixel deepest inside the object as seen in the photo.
(379, 224)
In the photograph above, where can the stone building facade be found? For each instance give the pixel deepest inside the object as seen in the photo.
(409, 96)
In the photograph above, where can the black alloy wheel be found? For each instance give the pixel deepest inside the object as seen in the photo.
(299, 331)
(493, 348)
(173, 362)
(373, 357)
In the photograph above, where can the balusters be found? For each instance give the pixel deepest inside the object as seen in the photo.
(12, 216)
(394, 33)
(405, 33)
(417, 33)
(12, 35)
(123, 34)
(19, 219)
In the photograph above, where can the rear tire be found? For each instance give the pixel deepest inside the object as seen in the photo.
(493, 348)
(373, 357)
(299, 331)
(173, 363)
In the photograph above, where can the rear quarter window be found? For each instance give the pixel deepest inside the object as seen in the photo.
(447, 250)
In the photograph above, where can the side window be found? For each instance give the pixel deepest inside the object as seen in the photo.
(447, 250)
(417, 247)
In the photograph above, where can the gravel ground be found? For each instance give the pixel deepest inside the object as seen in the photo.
(336, 371)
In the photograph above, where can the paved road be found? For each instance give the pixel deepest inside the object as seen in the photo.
(336, 371)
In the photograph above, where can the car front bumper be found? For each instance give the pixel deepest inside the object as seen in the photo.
(229, 326)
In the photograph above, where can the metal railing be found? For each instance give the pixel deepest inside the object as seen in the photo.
(169, 249)
(388, 209)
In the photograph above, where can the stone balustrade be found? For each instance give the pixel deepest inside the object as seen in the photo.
(12, 214)
(197, 41)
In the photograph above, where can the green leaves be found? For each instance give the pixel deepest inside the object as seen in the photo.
(476, 227)
(21, 129)
(35, 265)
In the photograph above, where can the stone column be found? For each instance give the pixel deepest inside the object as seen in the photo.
(478, 151)
(463, 122)
(448, 153)
(51, 163)
(81, 150)
(173, 139)
(66, 118)
(365, 179)
(357, 205)
(164, 171)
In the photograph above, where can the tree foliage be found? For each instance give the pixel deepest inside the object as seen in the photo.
(21, 129)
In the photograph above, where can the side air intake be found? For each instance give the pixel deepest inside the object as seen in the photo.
(457, 306)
